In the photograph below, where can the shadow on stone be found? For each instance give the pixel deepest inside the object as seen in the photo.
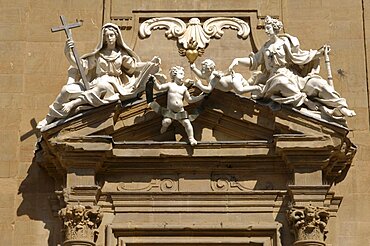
(36, 190)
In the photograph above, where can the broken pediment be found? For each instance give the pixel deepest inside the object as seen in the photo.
(222, 117)
(227, 126)
(227, 115)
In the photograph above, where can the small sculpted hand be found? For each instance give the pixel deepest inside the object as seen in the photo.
(189, 83)
(325, 49)
(67, 107)
(232, 65)
(160, 77)
(68, 50)
(70, 43)
(127, 59)
(156, 60)
(218, 74)
(192, 66)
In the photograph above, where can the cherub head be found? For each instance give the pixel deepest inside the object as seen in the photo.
(272, 26)
(208, 66)
(79, 211)
(177, 74)
(310, 213)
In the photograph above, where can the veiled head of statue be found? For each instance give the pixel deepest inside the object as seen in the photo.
(110, 35)
(118, 40)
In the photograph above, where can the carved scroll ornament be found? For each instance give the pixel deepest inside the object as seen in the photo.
(227, 183)
(193, 38)
(164, 184)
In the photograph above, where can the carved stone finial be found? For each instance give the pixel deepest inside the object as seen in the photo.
(80, 224)
(308, 224)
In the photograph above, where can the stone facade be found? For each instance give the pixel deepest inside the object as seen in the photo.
(33, 71)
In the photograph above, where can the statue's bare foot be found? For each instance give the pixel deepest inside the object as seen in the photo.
(192, 141)
(347, 112)
(48, 119)
(42, 123)
(257, 91)
(67, 107)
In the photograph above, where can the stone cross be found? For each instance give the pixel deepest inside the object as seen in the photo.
(66, 28)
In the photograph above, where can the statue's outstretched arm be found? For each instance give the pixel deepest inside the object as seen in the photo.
(197, 72)
(68, 52)
(191, 99)
(160, 87)
(245, 61)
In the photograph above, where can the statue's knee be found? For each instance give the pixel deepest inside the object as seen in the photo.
(317, 83)
(281, 82)
(284, 87)
(65, 90)
(103, 86)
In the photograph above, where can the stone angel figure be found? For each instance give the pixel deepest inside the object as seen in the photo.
(217, 80)
(113, 70)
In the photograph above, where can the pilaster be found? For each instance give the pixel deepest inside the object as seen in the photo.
(81, 216)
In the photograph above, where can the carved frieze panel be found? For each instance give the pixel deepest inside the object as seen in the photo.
(235, 183)
(164, 184)
(194, 182)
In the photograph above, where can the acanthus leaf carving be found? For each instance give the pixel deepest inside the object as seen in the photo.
(193, 38)
(175, 27)
(309, 222)
(194, 34)
(213, 27)
(80, 222)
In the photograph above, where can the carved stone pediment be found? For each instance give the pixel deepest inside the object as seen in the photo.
(228, 125)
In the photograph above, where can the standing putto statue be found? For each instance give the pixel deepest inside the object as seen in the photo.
(177, 92)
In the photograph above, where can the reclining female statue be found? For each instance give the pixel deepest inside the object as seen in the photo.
(114, 72)
(289, 74)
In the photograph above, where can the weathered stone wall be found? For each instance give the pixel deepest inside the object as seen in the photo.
(341, 24)
(33, 69)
